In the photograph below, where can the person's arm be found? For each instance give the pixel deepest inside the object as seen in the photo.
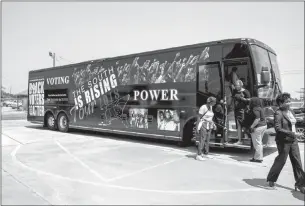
(278, 125)
(201, 111)
(256, 120)
(247, 96)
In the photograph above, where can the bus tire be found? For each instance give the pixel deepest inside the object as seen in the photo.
(50, 121)
(188, 134)
(63, 122)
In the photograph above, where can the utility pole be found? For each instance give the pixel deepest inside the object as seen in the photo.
(53, 56)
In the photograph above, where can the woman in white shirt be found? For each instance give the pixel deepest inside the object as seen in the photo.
(204, 126)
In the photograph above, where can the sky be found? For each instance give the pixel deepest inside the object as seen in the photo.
(81, 31)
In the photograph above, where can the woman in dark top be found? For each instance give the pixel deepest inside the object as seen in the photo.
(287, 144)
(241, 100)
(257, 128)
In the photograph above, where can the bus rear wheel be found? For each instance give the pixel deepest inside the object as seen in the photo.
(50, 121)
(62, 122)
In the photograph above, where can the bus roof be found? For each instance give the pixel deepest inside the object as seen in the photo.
(224, 41)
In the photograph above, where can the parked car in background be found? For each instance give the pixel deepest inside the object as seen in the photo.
(16, 104)
(6, 103)
(298, 107)
(299, 110)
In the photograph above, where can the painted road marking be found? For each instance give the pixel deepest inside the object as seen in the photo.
(115, 178)
(13, 155)
(145, 169)
(81, 162)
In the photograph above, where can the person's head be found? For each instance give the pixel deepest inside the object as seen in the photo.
(161, 115)
(211, 101)
(167, 114)
(283, 100)
(218, 108)
(162, 69)
(234, 69)
(238, 85)
(255, 102)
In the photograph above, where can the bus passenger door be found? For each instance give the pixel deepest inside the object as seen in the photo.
(234, 69)
(210, 83)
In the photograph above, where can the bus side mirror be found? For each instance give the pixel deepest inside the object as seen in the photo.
(265, 76)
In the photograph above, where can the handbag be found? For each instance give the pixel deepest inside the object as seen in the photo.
(201, 122)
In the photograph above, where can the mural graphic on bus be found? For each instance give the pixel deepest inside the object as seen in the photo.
(96, 83)
(179, 69)
(114, 111)
(138, 118)
(36, 97)
(156, 72)
(168, 120)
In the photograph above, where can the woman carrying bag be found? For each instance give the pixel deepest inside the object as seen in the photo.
(204, 126)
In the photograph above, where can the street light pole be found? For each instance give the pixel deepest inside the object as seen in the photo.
(53, 56)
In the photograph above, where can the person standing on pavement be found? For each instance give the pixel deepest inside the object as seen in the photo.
(241, 99)
(287, 144)
(257, 128)
(204, 126)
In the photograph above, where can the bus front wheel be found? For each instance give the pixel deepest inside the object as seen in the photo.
(62, 122)
(188, 134)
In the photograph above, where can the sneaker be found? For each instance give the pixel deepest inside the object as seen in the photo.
(271, 185)
(254, 160)
(208, 156)
(238, 142)
(200, 158)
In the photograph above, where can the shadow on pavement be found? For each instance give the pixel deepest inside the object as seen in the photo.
(233, 153)
(242, 155)
(191, 156)
(113, 136)
(38, 127)
(262, 183)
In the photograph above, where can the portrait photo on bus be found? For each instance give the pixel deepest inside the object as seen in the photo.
(138, 118)
(168, 120)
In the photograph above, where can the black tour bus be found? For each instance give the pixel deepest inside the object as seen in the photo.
(155, 94)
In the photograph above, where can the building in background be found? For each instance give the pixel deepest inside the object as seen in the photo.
(22, 99)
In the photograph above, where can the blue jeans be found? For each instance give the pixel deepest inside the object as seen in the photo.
(203, 141)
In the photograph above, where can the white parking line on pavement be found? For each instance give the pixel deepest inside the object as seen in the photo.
(178, 192)
(11, 138)
(81, 162)
(143, 170)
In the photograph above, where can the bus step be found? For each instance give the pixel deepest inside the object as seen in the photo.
(215, 144)
(237, 146)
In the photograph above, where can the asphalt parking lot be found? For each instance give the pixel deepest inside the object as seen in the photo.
(48, 167)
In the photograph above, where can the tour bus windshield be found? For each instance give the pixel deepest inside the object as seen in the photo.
(261, 59)
(276, 69)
